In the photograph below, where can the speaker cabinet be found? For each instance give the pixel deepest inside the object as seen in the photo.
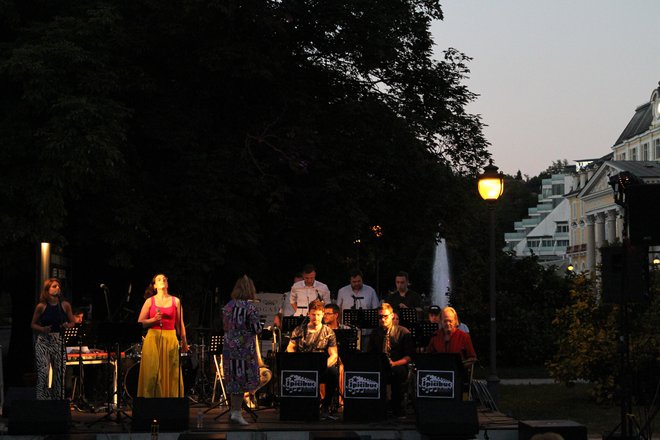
(568, 429)
(624, 274)
(449, 419)
(643, 213)
(39, 417)
(172, 414)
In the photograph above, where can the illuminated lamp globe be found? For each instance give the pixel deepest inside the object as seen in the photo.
(491, 183)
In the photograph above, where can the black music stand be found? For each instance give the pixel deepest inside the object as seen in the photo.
(407, 317)
(215, 348)
(347, 341)
(74, 337)
(299, 384)
(117, 334)
(422, 332)
(365, 386)
(361, 318)
(291, 322)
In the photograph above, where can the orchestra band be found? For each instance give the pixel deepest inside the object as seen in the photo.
(163, 364)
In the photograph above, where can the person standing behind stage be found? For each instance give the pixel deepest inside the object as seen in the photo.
(286, 309)
(162, 314)
(305, 291)
(403, 298)
(356, 295)
(51, 314)
(240, 357)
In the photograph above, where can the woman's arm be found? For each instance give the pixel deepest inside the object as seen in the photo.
(144, 315)
(181, 327)
(38, 310)
(69, 315)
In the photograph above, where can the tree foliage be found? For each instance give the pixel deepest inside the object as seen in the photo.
(589, 347)
(202, 137)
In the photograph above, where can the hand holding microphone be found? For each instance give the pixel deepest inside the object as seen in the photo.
(159, 317)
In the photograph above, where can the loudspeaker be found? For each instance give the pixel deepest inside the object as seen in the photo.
(449, 419)
(624, 271)
(568, 429)
(643, 203)
(172, 414)
(17, 393)
(39, 417)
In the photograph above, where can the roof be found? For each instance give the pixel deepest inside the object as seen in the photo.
(640, 123)
(642, 169)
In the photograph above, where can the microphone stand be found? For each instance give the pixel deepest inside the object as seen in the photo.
(179, 383)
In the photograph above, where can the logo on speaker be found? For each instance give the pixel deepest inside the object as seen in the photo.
(299, 383)
(361, 385)
(435, 384)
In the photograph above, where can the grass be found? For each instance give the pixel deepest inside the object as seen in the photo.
(558, 402)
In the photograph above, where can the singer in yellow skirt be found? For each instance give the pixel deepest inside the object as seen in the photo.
(162, 314)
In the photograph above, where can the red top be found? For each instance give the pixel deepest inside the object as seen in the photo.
(459, 342)
(168, 314)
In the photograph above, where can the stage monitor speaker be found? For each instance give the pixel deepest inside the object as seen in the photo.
(568, 429)
(39, 417)
(172, 414)
(643, 203)
(624, 274)
(17, 393)
(450, 419)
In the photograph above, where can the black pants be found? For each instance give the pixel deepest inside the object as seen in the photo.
(397, 379)
(330, 377)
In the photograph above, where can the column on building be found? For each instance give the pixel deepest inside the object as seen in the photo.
(591, 244)
(599, 233)
(610, 226)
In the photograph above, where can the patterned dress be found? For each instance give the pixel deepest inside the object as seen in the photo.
(239, 353)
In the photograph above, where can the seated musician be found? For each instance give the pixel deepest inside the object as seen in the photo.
(265, 375)
(331, 317)
(397, 343)
(314, 336)
(449, 339)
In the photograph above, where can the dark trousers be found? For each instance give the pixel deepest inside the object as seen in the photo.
(397, 379)
(330, 377)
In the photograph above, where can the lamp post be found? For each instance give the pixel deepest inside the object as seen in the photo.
(491, 186)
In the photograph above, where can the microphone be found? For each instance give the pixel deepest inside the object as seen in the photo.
(128, 296)
(103, 286)
(161, 318)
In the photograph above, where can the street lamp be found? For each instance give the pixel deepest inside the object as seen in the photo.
(491, 187)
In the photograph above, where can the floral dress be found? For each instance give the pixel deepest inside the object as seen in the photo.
(239, 353)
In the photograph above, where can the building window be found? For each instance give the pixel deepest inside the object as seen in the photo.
(533, 243)
(562, 242)
(645, 151)
(633, 154)
(546, 243)
(657, 149)
(622, 156)
(562, 228)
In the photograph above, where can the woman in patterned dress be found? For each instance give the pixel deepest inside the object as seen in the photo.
(239, 353)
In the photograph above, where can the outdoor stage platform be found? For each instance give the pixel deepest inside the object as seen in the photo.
(90, 426)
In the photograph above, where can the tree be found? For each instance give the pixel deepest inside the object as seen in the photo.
(212, 139)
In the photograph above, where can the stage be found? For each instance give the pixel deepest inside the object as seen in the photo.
(88, 425)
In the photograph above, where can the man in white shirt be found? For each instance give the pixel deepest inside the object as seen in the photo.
(356, 295)
(305, 291)
(285, 308)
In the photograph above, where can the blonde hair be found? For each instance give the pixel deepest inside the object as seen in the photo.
(453, 312)
(244, 289)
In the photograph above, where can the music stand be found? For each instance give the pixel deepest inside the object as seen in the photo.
(369, 319)
(408, 317)
(347, 341)
(215, 348)
(74, 337)
(117, 334)
(291, 322)
(422, 333)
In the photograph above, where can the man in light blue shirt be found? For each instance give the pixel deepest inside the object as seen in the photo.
(356, 295)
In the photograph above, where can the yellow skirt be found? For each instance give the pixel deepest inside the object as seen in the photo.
(159, 366)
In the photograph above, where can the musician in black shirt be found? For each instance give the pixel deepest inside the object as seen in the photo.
(397, 344)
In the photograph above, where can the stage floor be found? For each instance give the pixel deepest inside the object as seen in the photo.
(118, 426)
